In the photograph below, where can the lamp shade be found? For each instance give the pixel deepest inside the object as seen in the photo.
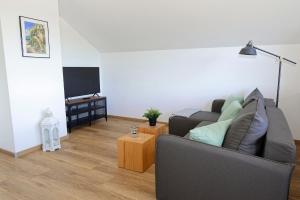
(248, 50)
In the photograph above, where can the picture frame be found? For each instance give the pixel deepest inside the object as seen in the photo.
(34, 37)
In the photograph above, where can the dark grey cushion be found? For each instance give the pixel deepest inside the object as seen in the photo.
(238, 129)
(247, 130)
(205, 116)
(279, 144)
(254, 95)
(203, 123)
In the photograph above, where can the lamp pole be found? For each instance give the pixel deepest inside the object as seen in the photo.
(250, 49)
(279, 70)
(278, 85)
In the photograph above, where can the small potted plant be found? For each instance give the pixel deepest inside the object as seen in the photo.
(152, 115)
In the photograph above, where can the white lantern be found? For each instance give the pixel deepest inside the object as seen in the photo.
(50, 132)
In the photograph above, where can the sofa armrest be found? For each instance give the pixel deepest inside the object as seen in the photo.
(217, 105)
(180, 126)
(190, 170)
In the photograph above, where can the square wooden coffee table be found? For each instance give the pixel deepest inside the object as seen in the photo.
(153, 130)
(136, 154)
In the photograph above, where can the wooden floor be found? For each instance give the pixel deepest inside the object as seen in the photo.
(85, 168)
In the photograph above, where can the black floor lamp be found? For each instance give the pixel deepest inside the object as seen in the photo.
(251, 50)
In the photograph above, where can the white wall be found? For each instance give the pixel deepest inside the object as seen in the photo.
(33, 83)
(171, 80)
(6, 131)
(76, 50)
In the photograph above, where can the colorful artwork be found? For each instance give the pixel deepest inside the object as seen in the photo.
(35, 41)
(35, 38)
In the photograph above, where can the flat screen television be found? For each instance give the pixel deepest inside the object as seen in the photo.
(79, 81)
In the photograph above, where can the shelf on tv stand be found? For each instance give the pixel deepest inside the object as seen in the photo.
(90, 107)
(83, 100)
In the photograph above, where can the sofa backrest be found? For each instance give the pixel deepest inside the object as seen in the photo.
(279, 143)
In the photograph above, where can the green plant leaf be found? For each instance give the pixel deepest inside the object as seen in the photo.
(152, 113)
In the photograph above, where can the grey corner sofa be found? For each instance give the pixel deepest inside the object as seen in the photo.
(188, 170)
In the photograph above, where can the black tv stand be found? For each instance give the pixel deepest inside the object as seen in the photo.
(85, 111)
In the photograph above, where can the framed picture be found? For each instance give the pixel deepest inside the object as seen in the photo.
(34, 38)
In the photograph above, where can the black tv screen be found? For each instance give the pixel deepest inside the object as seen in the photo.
(79, 81)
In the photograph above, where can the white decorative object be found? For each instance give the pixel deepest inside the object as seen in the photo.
(50, 132)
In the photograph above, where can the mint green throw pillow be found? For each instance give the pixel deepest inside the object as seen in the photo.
(231, 111)
(212, 134)
(230, 99)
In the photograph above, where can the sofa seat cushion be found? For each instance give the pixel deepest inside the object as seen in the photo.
(203, 123)
(231, 111)
(212, 134)
(279, 142)
(247, 130)
(230, 99)
(205, 116)
(187, 136)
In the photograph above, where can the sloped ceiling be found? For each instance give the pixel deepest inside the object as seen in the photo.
(132, 25)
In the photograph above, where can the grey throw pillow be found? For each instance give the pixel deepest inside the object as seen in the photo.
(247, 130)
(254, 95)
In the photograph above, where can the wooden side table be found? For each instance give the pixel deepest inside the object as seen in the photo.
(136, 154)
(153, 130)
